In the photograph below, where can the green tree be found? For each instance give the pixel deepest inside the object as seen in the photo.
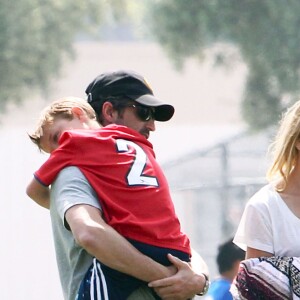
(35, 38)
(266, 33)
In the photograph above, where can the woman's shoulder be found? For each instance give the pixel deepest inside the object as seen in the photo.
(264, 196)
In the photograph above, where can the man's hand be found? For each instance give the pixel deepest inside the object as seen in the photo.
(183, 285)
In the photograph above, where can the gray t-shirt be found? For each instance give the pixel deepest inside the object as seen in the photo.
(71, 188)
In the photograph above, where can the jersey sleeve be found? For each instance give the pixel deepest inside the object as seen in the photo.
(60, 158)
(255, 228)
(71, 188)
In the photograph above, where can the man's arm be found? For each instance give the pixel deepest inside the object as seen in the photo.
(103, 242)
(72, 184)
(108, 246)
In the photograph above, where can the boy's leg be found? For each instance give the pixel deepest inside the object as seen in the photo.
(93, 285)
(101, 282)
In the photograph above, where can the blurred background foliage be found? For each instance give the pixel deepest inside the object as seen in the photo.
(36, 38)
(265, 33)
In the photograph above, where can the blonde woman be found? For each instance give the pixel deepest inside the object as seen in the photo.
(269, 230)
(270, 225)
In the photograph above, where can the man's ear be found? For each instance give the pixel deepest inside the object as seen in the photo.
(109, 114)
(78, 113)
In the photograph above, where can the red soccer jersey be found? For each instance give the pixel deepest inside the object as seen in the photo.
(120, 165)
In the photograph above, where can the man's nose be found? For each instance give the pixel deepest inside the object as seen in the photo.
(150, 125)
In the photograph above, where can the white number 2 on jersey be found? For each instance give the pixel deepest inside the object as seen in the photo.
(135, 175)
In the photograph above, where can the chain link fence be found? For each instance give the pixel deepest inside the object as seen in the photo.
(211, 187)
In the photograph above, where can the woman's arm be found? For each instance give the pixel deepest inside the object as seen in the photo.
(253, 253)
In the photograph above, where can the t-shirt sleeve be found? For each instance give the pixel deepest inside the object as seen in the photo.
(62, 157)
(255, 228)
(71, 188)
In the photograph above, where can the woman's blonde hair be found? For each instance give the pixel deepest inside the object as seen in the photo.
(283, 149)
(61, 108)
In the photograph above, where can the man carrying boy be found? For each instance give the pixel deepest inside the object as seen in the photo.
(120, 108)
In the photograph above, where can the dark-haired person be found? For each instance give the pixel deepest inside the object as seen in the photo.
(125, 99)
(228, 260)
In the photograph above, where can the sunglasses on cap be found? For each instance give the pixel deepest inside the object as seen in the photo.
(145, 113)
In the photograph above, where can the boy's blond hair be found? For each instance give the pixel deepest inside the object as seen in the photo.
(284, 147)
(61, 108)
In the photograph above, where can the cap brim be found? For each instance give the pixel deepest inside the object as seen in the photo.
(163, 111)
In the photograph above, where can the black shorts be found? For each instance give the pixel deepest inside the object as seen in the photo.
(102, 282)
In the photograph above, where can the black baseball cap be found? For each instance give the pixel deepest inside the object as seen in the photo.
(131, 85)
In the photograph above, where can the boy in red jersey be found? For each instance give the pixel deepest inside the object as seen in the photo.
(134, 196)
(120, 165)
